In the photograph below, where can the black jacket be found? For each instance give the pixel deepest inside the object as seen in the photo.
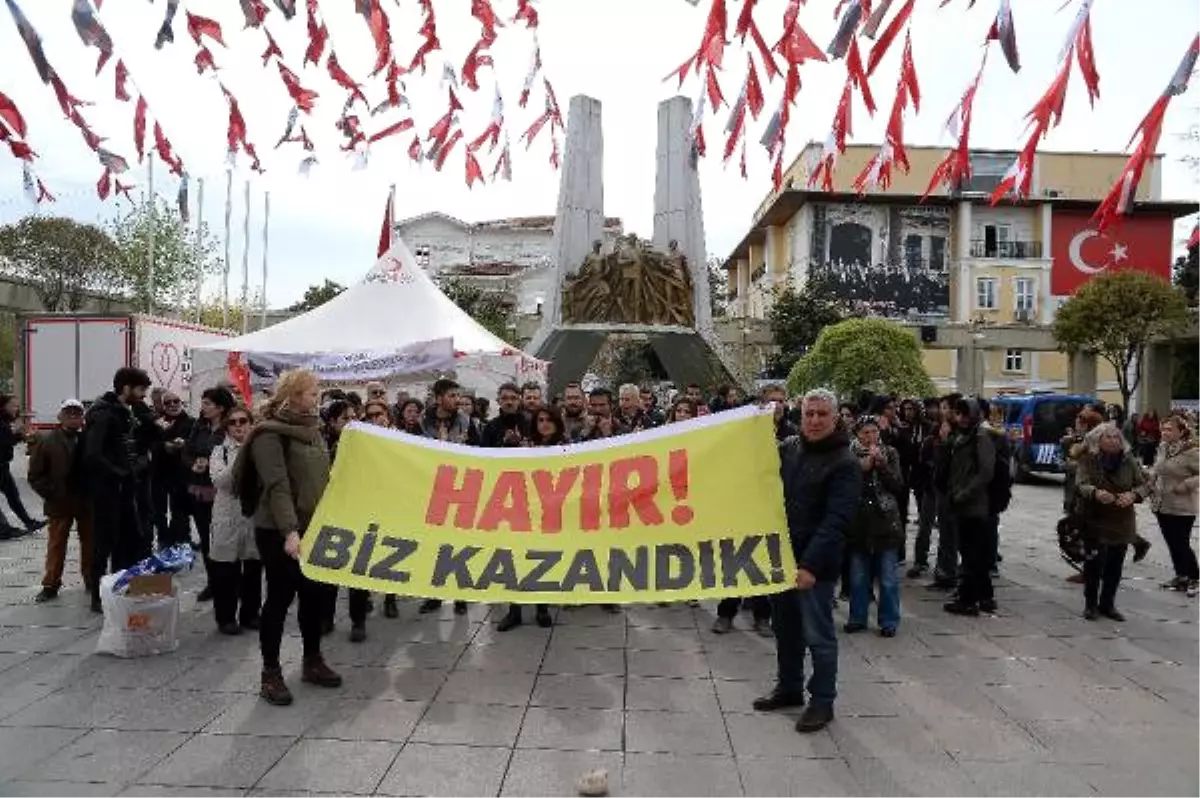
(8, 440)
(170, 464)
(492, 436)
(116, 444)
(972, 463)
(200, 445)
(822, 482)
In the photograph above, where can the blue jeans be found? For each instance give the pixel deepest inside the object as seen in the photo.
(803, 621)
(884, 564)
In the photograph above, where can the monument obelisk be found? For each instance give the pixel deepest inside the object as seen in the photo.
(635, 288)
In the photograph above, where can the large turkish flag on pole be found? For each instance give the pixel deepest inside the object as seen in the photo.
(1080, 253)
(385, 234)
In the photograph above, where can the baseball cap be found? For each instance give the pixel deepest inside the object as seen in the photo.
(71, 404)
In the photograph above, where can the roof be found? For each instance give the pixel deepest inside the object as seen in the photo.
(611, 223)
(789, 201)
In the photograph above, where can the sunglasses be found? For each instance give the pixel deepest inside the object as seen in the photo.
(377, 393)
(238, 422)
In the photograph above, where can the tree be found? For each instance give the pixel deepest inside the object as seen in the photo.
(636, 362)
(1187, 273)
(8, 346)
(718, 287)
(489, 308)
(858, 354)
(796, 319)
(1115, 316)
(317, 295)
(63, 259)
(212, 313)
(181, 257)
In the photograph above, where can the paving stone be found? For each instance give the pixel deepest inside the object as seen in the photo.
(59, 788)
(738, 696)
(681, 775)
(929, 774)
(675, 732)
(991, 740)
(14, 698)
(773, 734)
(419, 655)
(589, 636)
(487, 687)
(108, 755)
(642, 638)
(568, 691)
(158, 790)
(469, 724)
(1040, 703)
(39, 639)
(252, 715)
(883, 737)
(160, 710)
(797, 777)
(218, 761)
(367, 719)
(554, 773)
(678, 695)
(506, 655)
(1015, 778)
(20, 748)
(668, 663)
(654, 617)
(446, 770)
(79, 709)
(945, 701)
(1161, 779)
(591, 662)
(332, 766)
(728, 664)
(571, 729)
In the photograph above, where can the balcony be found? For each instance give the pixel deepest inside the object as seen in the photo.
(1012, 250)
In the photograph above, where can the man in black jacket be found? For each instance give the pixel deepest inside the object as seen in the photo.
(116, 462)
(510, 426)
(822, 482)
(972, 463)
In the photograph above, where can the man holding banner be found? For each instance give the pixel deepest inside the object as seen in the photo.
(822, 481)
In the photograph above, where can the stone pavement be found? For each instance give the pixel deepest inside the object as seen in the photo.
(1034, 701)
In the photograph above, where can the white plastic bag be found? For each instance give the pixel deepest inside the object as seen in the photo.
(137, 626)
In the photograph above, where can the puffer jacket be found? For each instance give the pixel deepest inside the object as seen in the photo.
(822, 483)
(1176, 476)
(1109, 524)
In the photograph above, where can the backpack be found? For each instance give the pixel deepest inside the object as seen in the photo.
(999, 490)
(247, 486)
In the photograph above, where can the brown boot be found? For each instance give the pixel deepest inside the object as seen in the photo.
(274, 690)
(318, 673)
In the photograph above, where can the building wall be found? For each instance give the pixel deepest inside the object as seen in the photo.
(1091, 175)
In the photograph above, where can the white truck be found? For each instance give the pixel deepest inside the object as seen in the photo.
(74, 355)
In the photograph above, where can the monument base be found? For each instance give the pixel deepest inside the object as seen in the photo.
(685, 355)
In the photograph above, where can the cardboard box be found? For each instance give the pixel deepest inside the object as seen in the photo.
(151, 585)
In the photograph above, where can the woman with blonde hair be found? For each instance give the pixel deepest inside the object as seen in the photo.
(291, 468)
(1109, 482)
(1176, 476)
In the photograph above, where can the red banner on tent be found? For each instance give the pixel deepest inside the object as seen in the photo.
(1080, 253)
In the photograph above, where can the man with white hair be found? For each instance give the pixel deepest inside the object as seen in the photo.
(630, 416)
(822, 482)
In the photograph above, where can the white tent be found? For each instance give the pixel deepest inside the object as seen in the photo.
(396, 306)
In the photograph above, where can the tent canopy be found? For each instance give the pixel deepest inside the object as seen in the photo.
(395, 306)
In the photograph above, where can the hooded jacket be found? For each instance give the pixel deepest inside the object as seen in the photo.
(116, 442)
(972, 463)
(822, 483)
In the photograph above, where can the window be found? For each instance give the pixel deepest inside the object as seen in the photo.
(421, 255)
(985, 293)
(1023, 295)
(937, 253)
(912, 252)
(1014, 360)
(995, 240)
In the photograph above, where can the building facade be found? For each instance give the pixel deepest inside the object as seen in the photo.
(980, 283)
(511, 257)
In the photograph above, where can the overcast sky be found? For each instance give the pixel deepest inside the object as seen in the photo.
(326, 225)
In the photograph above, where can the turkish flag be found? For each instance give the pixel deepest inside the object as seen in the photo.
(385, 233)
(1080, 253)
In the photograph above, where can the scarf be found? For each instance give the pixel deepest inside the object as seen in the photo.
(1111, 462)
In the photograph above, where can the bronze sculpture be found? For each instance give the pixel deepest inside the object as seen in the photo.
(633, 284)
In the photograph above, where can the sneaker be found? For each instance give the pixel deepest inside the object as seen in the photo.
(917, 571)
(274, 690)
(46, 594)
(777, 699)
(763, 629)
(390, 608)
(460, 608)
(358, 632)
(852, 627)
(429, 605)
(510, 621)
(722, 626)
(1193, 588)
(958, 608)
(317, 672)
(813, 719)
(1113, 614)
(1140, 549)
(230, 628)
(205, 594)
(543, 618)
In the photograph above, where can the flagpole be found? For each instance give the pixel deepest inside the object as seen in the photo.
(228, 230)
(150, 235)
(266, 223)
(199, 249)
(246, 265)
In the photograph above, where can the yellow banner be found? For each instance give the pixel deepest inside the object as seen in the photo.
(685, 511)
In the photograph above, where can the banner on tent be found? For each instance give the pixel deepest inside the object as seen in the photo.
(693, 510)
(423, 357)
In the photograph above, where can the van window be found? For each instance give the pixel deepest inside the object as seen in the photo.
(1054, 418)
(1012, 413)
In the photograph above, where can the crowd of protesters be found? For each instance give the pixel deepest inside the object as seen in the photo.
(136, 469)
